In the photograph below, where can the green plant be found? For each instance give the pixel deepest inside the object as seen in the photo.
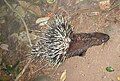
(11, 70)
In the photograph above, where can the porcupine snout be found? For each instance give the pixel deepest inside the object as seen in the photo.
(100, 38)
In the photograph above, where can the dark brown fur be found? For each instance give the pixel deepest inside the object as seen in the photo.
(82, 41)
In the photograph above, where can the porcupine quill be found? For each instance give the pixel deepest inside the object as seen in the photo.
(55, 41)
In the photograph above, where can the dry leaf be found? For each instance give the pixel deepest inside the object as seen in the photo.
(118, 78)
(4, 46)
(51, 1)
(104, 4)
(78, 1)
(42, 21)
(95, 13)
(63, 76)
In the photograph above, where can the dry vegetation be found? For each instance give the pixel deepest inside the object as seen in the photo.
(18, 29)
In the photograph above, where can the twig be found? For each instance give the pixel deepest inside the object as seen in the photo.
(22, 21)
(25, 67)
(22, 72)
(114, 7)
(40, 68)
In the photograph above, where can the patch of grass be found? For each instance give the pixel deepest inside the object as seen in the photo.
(9, 70)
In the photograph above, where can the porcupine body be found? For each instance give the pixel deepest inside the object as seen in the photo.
(54, 43)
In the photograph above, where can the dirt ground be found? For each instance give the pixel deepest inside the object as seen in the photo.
(87, 16)
(92, 67)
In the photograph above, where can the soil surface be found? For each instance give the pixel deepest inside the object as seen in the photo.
(86, 16)
(92, 67)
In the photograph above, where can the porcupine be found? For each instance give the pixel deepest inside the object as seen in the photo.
(60, 42)
(54, 44)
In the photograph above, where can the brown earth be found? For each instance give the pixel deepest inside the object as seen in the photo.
(92, 67)
(86, 16)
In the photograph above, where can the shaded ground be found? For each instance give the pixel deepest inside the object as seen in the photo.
(86, 16)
